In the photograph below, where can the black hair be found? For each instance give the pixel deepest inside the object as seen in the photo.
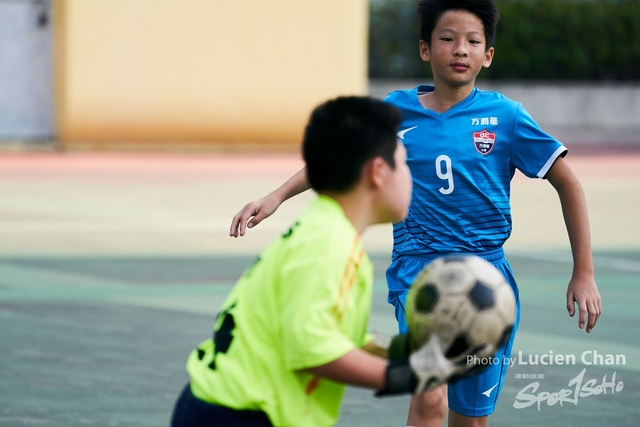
(430, 12)
(342, 135)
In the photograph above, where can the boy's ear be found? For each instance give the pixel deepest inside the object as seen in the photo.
(376, 172)
(425, 54)
(488, 58)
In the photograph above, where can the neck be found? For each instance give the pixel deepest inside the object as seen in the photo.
(356, 209)
(444, 98)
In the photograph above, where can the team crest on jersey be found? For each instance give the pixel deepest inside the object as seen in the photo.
(484, 141)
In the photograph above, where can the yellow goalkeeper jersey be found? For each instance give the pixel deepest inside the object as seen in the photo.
(304, 302)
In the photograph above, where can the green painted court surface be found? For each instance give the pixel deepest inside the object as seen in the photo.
(112, 268)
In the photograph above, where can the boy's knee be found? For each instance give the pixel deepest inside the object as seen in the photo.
(459, 420)
(432, 404)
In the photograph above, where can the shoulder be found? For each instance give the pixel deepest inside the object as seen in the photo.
(497, 99)
(322, 233)
(399, 97)
(321, 248)
(507, 111)
(407, 97)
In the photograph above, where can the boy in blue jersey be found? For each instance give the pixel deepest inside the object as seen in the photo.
(463, 147)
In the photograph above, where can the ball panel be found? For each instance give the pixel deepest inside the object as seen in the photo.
(453, 277)
(481, 296)
(458, 347)
(487, 328)
(426, 298)
(485, 271)
(422, 327)
(455, 310)
(505, 304)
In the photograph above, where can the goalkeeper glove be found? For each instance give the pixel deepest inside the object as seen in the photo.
(417, 371)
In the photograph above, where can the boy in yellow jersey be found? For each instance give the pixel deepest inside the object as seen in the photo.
(293, 331)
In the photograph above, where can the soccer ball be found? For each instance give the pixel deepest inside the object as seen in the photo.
(466, 302)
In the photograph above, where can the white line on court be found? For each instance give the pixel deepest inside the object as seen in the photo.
(565, 258)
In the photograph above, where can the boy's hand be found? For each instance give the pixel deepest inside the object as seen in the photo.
(584, 292)
(431, 367)
(252, 214)
(420, 370)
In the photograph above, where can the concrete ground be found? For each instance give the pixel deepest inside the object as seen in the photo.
(112, 267)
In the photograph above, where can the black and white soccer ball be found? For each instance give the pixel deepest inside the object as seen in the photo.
(467, 302)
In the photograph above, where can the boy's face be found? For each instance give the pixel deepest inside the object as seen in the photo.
(396, 193)
(458, 49)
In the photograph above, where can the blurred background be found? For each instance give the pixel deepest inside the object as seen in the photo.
(141, 74)
(202, 74)
(131, 132)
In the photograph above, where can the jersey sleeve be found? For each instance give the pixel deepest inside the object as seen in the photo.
(533, 151)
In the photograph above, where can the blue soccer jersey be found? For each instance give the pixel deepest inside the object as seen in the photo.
(462, 162)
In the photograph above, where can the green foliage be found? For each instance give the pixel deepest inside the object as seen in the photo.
(393, 40)
(536, 40)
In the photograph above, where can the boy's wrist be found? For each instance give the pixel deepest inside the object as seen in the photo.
(399, 376)
(398, 379)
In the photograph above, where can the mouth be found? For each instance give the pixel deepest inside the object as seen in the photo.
(460, 66)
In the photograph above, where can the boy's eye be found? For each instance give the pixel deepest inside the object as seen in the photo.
(447, 39)
(474, 41)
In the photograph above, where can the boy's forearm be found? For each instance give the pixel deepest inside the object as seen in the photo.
(577, 222)
(292, 187)
(357, 367)
(582, 290)
(579, 237)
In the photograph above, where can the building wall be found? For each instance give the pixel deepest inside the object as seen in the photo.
(202, 71)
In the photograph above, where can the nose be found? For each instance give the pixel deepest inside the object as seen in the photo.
(460, 50)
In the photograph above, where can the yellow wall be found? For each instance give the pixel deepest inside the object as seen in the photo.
(230, 71)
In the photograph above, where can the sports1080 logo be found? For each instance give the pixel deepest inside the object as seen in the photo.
(579, 387)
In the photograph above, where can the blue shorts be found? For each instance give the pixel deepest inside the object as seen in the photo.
(477, 395)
